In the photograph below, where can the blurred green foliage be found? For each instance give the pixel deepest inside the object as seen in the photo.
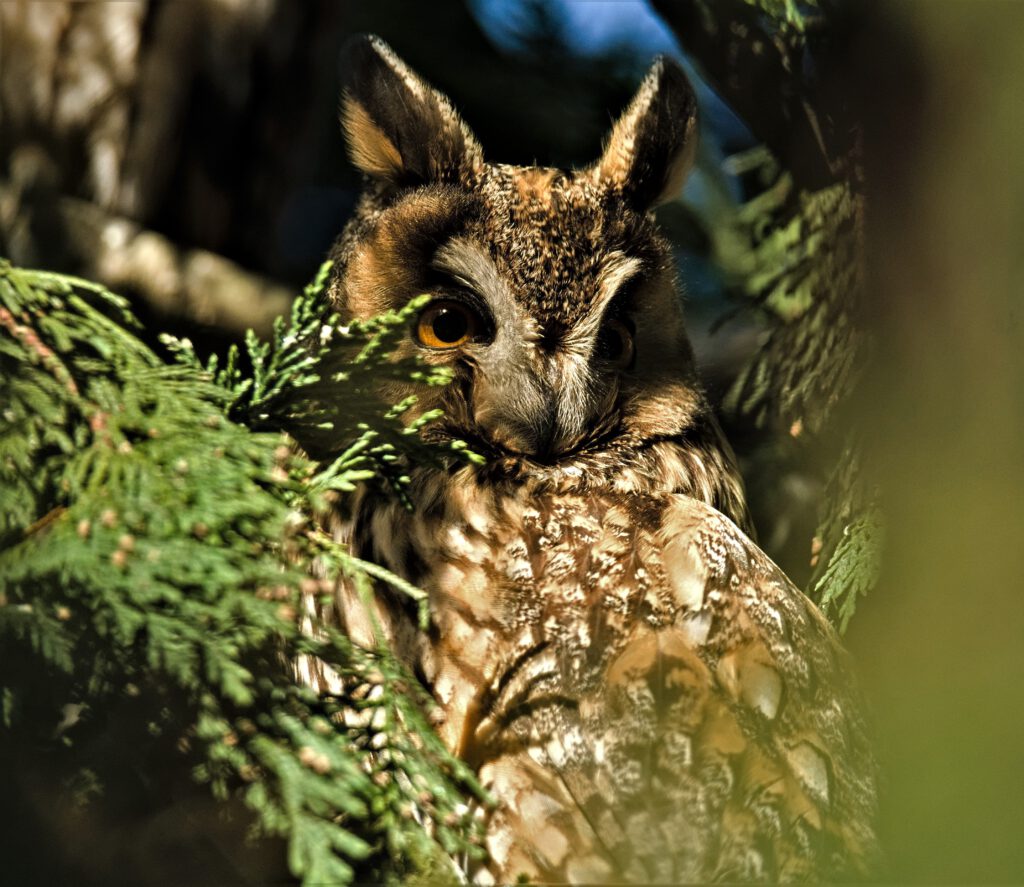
(790, 252)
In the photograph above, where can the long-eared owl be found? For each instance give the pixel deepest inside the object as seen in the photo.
(644, 692)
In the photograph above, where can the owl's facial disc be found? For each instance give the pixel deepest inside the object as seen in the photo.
(530, 383)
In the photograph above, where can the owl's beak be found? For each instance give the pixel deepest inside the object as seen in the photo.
(530, 407)
(535, 438)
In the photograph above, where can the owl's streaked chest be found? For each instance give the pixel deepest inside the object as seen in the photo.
(639, 646)
(561, 559)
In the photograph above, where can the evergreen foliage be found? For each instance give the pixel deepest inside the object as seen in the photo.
(852, 537)
(797, 254)
(793, 250)
(155, 541)
(784, 12)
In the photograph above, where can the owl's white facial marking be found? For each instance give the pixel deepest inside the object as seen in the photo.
(618, 270)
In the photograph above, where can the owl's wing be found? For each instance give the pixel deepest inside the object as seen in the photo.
(675, 709)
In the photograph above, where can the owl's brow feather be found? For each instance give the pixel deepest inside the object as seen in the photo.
(470, 266)
(618, 269)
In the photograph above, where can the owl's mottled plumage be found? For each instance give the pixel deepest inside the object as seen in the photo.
(645, 693)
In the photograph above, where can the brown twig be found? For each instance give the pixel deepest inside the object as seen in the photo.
(194, 284)
(31, 340)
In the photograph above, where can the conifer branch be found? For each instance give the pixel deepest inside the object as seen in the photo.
(154, 535)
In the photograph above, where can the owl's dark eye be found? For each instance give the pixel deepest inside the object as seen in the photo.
(615, 344)
(447, 324)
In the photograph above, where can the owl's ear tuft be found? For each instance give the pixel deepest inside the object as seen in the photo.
(399, 129)
(652, 145)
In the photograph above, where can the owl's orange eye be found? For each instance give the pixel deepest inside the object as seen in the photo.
(446, 324)
(615, 344)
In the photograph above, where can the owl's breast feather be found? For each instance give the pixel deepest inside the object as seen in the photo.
(646, 693)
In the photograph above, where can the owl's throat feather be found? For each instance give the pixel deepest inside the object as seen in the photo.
(696, 463)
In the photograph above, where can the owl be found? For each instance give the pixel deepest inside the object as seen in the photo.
(644, 693)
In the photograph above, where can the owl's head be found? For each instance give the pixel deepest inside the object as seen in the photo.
(555, 300)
